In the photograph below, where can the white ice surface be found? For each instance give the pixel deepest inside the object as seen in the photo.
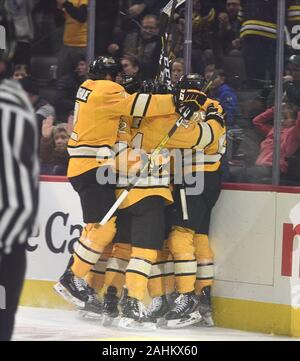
(40, 324)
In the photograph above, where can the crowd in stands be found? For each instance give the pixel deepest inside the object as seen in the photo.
(235, 39)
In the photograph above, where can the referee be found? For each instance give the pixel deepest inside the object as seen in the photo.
(19, 171)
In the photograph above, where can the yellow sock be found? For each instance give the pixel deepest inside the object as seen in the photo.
(116, 267)
(138, 270)
(159, 282)
(181, 245)
(90, 246)
(95, 277)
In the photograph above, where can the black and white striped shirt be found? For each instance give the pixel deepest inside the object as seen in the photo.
(19, 166)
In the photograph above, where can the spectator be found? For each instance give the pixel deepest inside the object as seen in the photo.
(11, 42)
(106, 17)
(20, 12)
(67, 87)
(53, 147)
(177, 70)
(75, 33)
(41, 106)
(145, 44)
(291, 83)
(20, 71)
(203, 17)
(208, 70)
(258, 35)
(228, 27)
(289, 142)
(129, 78)
(130, 75)
(225, 94)
(130, 65)
(3, 69)
(48, 31)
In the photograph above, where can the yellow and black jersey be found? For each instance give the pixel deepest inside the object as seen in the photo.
(99, 105)
(259, 18)
(292, 27)
(211, 144)
(146, 133)
(75, 33)
(205, 133)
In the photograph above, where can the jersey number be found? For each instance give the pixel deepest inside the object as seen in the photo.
(295, 41)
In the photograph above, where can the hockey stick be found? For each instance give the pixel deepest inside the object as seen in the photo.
(137, 178)
(168, 8)
(168, 11)
(154, 154)
(164, 73)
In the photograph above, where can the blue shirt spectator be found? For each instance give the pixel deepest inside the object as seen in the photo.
(225, 95)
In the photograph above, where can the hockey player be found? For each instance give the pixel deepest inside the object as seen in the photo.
(147, 225)
(99, 104)
(141, 222)
(188, 240)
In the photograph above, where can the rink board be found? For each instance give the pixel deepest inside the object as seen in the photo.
(257, 255)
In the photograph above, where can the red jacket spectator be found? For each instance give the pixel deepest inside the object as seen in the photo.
(289, 138)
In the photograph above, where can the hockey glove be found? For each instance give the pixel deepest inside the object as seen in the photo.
(213, 113)
(188, 101)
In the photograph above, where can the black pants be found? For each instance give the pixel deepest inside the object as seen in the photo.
(96, 199)
(259, 56)
(199, 206)
(142, 224)
(12, 272)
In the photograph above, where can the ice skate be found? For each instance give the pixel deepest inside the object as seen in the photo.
(110, 306)
(134, 316)
(184, 313)
(73, 289)
(205, 308)
(158, 307)
(93, 308)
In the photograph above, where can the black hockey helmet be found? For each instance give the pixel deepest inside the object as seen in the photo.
(191, 81)
(294, 59)
(102, 66)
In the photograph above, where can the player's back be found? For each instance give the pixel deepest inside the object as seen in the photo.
(95, 125)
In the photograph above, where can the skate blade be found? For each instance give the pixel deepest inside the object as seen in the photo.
(109, 321)
(193, 318)
(66, 295)
(161, 323)
(131, 324)
(89, 316)
(206, 321)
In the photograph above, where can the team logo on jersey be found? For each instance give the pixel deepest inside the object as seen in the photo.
(83, 94)
(122, 125)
